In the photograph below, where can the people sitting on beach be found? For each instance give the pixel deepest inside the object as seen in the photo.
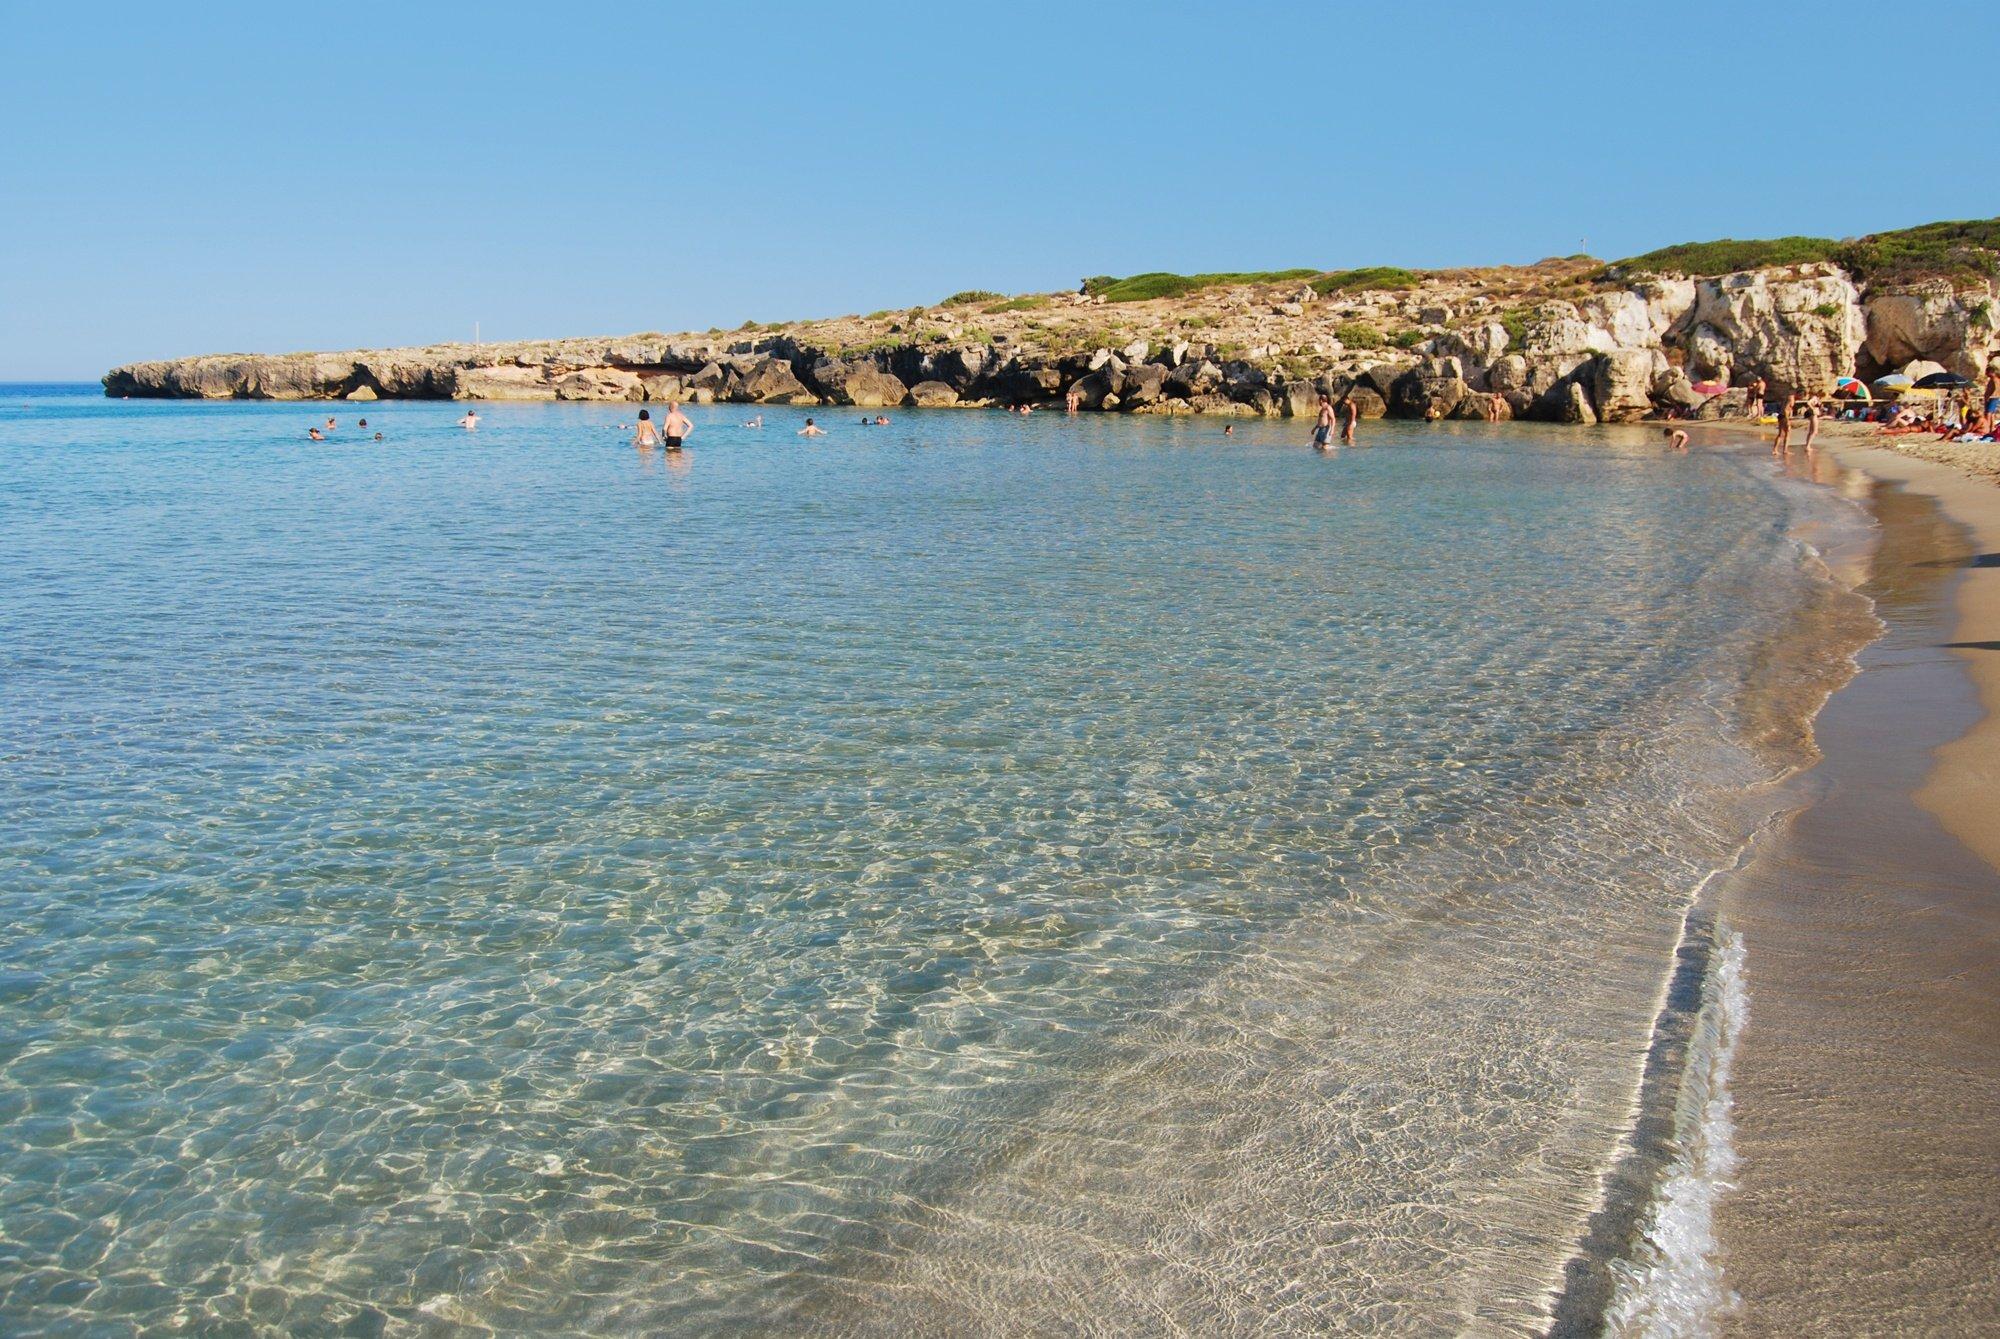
(471, 419)
(1677, 439)
(644, 435)
(812, 429)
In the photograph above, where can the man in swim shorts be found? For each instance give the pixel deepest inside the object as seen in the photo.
(676, 426)
(1323, 425)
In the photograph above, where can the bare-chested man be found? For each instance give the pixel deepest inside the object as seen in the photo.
(1323, 425)
(675, 426)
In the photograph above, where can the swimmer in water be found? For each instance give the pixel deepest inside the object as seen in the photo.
(470, 421)
(812, 429)
(675, 428)
(1677, 440)
(644, 435)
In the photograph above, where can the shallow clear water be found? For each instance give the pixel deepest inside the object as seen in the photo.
(968, 874)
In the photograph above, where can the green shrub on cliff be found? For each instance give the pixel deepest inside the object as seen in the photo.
(1372, 279)
(1407, 339)
(1706, 259)
(1965, 249)
(1359, 335)
(970, 296)
(1160, 284)
(1034, 302)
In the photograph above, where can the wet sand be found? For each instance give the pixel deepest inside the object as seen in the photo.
(1868, 1081)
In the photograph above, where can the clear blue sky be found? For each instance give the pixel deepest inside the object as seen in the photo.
(184, 179)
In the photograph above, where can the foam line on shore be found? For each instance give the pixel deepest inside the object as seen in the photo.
(1674, 1284)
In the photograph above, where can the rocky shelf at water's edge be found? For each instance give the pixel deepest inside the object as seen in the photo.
(1563, 340)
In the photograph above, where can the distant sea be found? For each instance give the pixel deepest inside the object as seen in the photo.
(971, 873)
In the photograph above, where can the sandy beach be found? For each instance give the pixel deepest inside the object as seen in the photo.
(1868, 1083)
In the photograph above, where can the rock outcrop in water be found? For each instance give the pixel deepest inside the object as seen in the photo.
(1564, 340)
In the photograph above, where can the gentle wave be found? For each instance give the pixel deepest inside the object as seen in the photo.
(1674, 1287)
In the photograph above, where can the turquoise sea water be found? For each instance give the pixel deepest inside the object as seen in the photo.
(973, 874)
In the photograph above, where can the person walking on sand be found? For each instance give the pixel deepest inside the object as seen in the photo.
(470, 421)
(643, 435)
(812, 429)
(675, 426)
(1812, 422)
(1323, 424)
(1783, 445)
(1349, 413)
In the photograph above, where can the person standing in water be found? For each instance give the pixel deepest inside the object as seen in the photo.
(676, 426)
(1783, 446)
(1323, 424)
(812, 429)
(470, 421)
(1349, 413)
(1812, 422)
(643, 435)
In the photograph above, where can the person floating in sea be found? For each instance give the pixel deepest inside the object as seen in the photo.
(1322, 438)
(675, 426)
(1677, 440)
(470, 421)
(1229, 430)
(644, 436)
(362, 424)
(881, 420)
(754, 421)
(378, 436)
(812, 429)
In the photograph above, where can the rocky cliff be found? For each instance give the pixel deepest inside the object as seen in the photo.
(1568, 340)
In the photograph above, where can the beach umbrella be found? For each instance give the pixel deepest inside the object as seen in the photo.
(1895, 381)
(1942, 381)
(1709, 388)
